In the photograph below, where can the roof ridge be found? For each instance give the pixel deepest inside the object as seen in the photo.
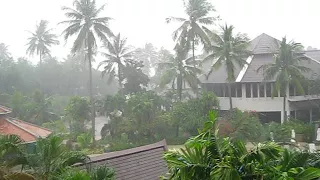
(109, 155)
(8, 110)
(21, 127)
(32, 124)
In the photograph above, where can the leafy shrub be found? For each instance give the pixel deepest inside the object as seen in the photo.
(242, 125)
(282, 132)
(84, 140)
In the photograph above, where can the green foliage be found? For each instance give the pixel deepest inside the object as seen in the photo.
(282, 132)
(57, 126)
(84, 140)
(208, 156)
(50, 156)
(102, 173)
(78, 111)
(244, 126)
(136, 80)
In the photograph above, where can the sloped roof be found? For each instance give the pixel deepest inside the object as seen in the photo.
(264, 44)
(26, 131)
(141, 163)
(4, 110)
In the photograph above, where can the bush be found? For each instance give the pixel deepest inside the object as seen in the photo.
(242, 125)
(282, 132)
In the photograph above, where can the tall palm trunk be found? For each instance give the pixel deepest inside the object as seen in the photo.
(179, 91)
(284, 107)
(229, 93)
(120, 80)
(40, 54)
(193, 49)
(91, 96)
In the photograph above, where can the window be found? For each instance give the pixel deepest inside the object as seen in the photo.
(291, 90)
(233, 90)
(261, 89)
(254, 90)
(248, 90)
(239, 90)
(268, 89)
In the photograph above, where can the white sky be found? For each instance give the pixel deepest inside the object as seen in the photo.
(143, 21)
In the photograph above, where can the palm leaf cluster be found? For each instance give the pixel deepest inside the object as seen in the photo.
(117, 56)
(180, 69)
(208, 156)
(45, 159)
(41, 40)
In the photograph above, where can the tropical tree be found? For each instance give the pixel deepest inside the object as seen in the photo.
(4, 53)
(41, 40)
(179, 70)
(118, 54)
(227, 50)
(193, 27)
(286, 70)
(78, 110)
(86, 24)
(50, 157)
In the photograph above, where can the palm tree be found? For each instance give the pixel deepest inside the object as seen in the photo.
(227, 50)
(4, 53)
(41, 40)
(85, 23)
(50, 157)
(193, 28)
(118, 54)
(179, 70)
(285, 70)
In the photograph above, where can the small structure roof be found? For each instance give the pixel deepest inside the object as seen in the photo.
(26, 131)
(141, 163)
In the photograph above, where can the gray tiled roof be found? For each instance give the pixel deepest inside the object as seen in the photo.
(141, 163)
(264, 44)
(258, 60)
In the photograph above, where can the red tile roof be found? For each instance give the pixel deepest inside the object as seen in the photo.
(141, 163)
(4, 110)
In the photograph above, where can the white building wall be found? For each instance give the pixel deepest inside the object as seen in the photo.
(253, 104)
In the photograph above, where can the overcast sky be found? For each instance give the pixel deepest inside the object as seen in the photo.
(143, 21)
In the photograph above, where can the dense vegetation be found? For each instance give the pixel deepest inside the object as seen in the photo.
(146, 94)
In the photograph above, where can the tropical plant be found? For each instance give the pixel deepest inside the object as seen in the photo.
(286, 70)
(180, 70)
(41, 40)
(78, 110)
(227, 50)
(4, 53)
(118, 54)
(193, 27)
(49, 157)
(85, 23)
(102, 173)
(207, 156)
(135, 80)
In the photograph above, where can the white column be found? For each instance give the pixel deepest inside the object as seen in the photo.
(258, 90)
(265, 89)
(251, 90)
(243, 87)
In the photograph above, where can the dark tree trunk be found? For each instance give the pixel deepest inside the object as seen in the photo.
(284, 107)
(230, 98)
(91, 96)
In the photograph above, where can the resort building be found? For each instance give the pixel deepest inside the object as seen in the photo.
(251, 92)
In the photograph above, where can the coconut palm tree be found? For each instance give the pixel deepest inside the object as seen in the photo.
(285, 70)
(85, 23)
(192, 29)
(41, 40)
(118, 54)
(227, 50)
(179, 70)
(4, 53)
